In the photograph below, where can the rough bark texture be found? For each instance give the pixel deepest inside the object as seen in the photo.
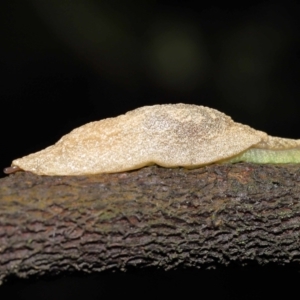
(150, 217)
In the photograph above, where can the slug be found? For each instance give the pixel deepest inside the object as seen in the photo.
(170, 135)
(11, 169)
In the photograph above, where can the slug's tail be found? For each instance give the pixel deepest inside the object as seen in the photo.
(12, 169)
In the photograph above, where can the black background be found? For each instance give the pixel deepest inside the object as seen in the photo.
(65, 63)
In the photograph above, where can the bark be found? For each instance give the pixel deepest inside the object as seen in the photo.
(152, 217)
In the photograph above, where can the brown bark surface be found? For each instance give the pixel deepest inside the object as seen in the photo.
(154, 216)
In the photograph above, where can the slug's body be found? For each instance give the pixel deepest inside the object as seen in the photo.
(169, 135)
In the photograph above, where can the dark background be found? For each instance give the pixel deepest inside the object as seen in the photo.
(65, 63)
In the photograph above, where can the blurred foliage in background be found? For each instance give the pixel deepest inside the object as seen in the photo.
(65, 63)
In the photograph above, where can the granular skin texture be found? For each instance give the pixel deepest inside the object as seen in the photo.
(170, 135)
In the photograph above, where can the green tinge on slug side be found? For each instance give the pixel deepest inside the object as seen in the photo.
(266, 156)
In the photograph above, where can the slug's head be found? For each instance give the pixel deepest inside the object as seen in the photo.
(12, 169)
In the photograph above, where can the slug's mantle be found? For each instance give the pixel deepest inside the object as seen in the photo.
(169, 135)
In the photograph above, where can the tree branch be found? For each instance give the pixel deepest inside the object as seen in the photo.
(150, 217)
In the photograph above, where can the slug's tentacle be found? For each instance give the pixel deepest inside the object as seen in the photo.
(12, 169)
